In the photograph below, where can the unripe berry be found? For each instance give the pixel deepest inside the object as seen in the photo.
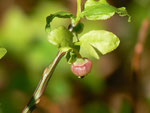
(81, 67)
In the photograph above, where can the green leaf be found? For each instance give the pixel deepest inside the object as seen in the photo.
(72, 54)
(98, 41)
(3, 51)
(90, 3)
(101, 10)
(123, 12)
(61, 37)
(59, 15)
(98, 10)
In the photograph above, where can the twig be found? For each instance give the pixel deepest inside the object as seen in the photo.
(43, 83)
(139, 45)
(137, 88)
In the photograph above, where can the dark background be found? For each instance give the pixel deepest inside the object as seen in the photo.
(119, 81)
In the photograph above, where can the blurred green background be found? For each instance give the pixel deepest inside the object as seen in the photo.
(111, 87)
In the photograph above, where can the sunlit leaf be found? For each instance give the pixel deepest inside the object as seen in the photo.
(90, 3)
(3, 51)
(101, 10)
(61, 37)
(59, 15)
(95, 10)
(123, 12)
(98, 40)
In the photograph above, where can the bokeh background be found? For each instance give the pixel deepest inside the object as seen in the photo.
(119, 81)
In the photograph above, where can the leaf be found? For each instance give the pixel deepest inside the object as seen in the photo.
(72, 54)
(123, 12)
(90, 3)
(3, 51)
(98, 41)
(61, 37)
(101, 10)
(59, 15)
(98, 10)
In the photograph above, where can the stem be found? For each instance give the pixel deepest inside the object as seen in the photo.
(136, 63)
(43, 83)
(78, 8)
(140, 44)
(77, 19)
(76, 35)
(78, 14)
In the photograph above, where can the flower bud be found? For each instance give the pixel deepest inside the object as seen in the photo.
(81, 67)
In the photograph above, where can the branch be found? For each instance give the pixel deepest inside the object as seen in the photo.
(139, 45)
(43, 83)
(138, 50)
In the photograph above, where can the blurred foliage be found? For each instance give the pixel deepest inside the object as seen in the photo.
(29, 52)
